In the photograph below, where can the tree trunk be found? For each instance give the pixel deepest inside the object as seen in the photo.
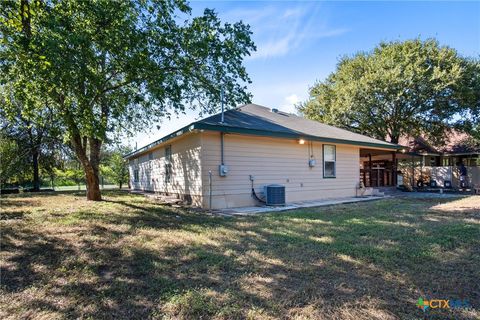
(36, 176)
(90, 162)
(93, 186)
(394, 139)
(90, 165)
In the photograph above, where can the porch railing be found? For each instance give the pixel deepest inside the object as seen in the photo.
(377, 177)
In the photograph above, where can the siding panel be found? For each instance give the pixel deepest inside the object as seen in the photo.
(273, 160)
(186, 172)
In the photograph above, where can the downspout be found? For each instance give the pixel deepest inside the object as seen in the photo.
(222, 168)
(210, 189)
(222, 134)
(222, 137)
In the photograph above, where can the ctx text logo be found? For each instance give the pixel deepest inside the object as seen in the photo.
(441, 304)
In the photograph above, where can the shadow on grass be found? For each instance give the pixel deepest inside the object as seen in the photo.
(367, 261)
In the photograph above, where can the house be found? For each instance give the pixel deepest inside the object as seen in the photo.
(215, 164)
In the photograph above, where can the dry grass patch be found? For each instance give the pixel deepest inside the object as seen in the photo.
(126, 258)
(465, 205)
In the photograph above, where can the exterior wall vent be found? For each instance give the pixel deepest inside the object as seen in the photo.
(274, 195)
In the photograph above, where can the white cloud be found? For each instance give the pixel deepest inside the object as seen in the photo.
(292, 99)
(277, 31)
(292, 12)
(290, 102)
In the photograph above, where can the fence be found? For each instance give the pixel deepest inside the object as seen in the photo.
(439, 175)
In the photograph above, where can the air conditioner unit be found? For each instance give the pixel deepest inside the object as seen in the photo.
(274, 195)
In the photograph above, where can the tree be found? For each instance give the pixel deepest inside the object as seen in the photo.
(37, 137)
(114, 167)
(31, 123)
(116, 170)
(69, 174)
(110, 66)
(411, 87)
(470, 97)
(11, 164)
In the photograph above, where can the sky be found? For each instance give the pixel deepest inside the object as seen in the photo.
(299, 43)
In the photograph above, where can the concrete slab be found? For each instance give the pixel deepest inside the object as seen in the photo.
(429, 195)
(248, 211)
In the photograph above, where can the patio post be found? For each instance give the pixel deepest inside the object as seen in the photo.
(413, 172)
(370, 170)
(394, 168)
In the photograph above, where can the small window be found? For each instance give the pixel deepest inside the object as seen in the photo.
(135, 175)
(168, 163)
(329, 159)
(148, 175)
(150, 156)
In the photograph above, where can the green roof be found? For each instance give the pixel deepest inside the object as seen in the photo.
(262, 121)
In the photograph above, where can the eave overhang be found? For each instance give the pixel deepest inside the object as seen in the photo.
(258, 132)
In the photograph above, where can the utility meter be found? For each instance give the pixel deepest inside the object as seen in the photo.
(223, 170)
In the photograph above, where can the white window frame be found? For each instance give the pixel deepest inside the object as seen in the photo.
(334, 161)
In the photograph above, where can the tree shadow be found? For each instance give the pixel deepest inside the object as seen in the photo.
(367, 261)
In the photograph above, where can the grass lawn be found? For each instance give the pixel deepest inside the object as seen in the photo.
(126, 258)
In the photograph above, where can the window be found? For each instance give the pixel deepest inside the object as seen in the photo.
(329, 159)
(150, 156)
(135, 175)
(168, 163)
(148, 175)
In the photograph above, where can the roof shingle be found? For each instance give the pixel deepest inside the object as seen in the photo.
(259, 120)
(255, 117)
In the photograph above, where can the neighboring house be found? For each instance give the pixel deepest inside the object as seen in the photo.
(211, 163)
(458, 148)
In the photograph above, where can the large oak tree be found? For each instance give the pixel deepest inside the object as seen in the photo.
(109, 66)
(411, 87)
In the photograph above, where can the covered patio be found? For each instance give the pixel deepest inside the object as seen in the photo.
(418, 169)
(378, 168)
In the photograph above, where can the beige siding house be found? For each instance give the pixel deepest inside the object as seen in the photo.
(214, 164)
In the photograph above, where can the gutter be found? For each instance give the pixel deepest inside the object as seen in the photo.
(178, 133)
(257, 132)
(280, 134)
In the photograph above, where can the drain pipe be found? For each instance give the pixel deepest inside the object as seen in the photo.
(222, 121)
(223, 170)
(222, 142)
(210, 189)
